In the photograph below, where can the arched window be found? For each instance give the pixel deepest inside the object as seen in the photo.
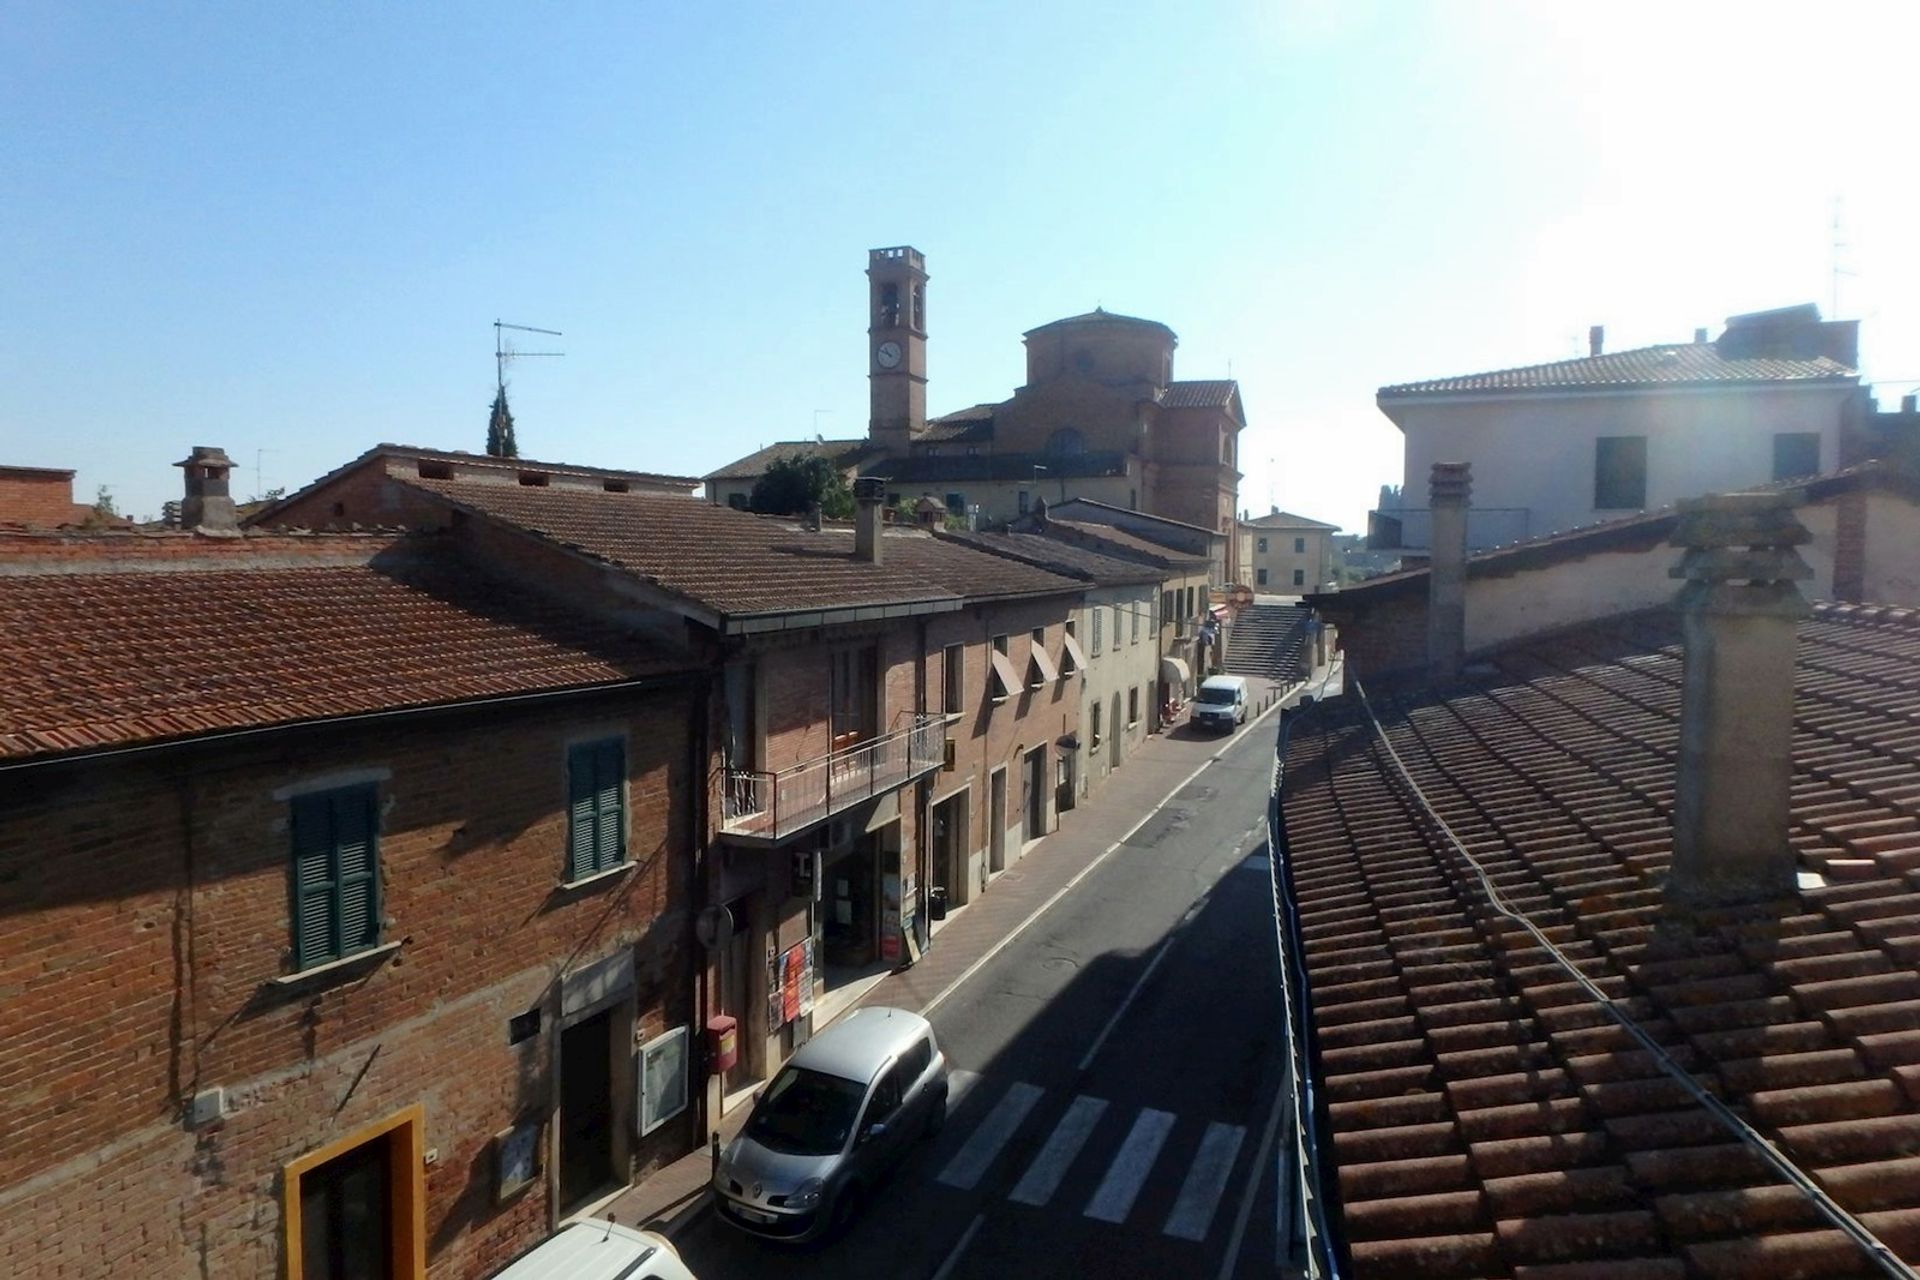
(889, 306)
(1066, 441)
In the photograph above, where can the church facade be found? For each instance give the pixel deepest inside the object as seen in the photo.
(1100, 417)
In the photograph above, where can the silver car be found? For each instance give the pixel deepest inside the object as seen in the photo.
(846, 1106)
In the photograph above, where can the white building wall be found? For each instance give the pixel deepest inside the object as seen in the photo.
(1128, 660)
(1537, 451)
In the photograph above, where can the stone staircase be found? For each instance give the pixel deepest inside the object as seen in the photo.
(1269, 640)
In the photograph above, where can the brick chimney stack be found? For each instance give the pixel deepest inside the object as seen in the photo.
(1449, 495)
(208, 507)
(1739, 613)
(1596, 339)
(869, 496)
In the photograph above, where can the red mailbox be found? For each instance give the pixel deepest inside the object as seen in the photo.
(723, 1042)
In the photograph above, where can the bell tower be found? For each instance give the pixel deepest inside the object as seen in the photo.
(896, 346)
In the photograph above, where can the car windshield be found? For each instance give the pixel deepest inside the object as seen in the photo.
(806, 1112)
(1218, 697)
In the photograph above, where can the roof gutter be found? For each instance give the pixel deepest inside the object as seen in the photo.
(358, 717)
(743, 624)
(1310, 1244)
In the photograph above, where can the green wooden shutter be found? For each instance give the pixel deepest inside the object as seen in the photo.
(356, 843)
(312, 881)
(581, 823)
(609, 845)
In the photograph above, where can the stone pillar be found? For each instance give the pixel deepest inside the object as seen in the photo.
(1739, 613)
(1450, 493)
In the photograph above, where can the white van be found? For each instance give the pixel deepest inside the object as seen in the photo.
(1221, 703)
(590, 1250)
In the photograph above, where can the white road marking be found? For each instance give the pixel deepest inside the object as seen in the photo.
(1237, 1238)
(960, 1247)
(926, 1010)
(970, 1163)
(1206, 1179)
(1131, 1165)
(1043, 1176)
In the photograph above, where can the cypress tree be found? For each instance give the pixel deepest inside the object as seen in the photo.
(500, 443)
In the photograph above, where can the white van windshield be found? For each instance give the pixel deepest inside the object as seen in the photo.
(1216, 697)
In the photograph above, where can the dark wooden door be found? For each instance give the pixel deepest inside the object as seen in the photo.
(346, 1229)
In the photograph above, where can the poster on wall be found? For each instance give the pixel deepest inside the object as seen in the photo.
(806, 979)
(890, 918)
(792, 963)
(774, 1020)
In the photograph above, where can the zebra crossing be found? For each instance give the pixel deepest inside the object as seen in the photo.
(1127, 1171)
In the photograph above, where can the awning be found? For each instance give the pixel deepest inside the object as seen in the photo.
(1004, 674)
(1043, 665)
(1073, 654)
(1174, 671)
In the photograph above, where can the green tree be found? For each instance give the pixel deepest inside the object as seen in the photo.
(500, 442)
(103, 513)
(792, 485)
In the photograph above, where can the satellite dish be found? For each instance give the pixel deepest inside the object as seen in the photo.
(713, 927)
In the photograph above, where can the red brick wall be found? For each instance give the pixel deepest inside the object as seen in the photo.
(44, 500)
(145, 911)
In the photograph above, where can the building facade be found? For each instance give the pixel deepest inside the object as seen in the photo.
(1100, 416)
(1559, 445)
(1290, 554)
(342, 887)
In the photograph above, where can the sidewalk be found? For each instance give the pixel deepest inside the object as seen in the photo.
(675, 1196)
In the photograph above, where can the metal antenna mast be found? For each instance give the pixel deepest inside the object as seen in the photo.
(503, 350)
(1839, 246)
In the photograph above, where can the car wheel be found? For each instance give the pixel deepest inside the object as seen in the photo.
(937, 1118)
(846, 1207)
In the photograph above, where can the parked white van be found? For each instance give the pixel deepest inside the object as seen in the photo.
(590, 1250)
(1221, 703)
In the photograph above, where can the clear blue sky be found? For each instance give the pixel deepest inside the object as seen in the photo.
(288, 229)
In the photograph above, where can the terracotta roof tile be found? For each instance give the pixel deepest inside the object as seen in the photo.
(140, 638)
(1555, 765)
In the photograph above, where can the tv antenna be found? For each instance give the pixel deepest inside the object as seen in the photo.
(504, 350)
(1840, 245)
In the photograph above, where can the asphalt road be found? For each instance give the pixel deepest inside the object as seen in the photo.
(1115, 1070)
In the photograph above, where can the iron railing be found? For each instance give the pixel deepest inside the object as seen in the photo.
(772, 805)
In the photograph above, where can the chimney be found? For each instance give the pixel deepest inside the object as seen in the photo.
(870, 496)
(1910, 403)
(1699, 337)
(1449, 495)
(1739, 613)
(1596, 339)
(208, 506)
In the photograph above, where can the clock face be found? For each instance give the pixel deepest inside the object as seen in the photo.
(888, 354)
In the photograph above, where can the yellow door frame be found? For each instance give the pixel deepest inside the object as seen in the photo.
(405, 1133)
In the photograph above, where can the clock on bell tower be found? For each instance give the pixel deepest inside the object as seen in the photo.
(897, 346)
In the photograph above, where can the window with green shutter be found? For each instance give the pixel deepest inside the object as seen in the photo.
(596, 808)
(335, 874)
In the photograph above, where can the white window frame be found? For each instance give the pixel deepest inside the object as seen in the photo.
(682, 1034)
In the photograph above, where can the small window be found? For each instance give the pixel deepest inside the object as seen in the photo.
(1299, 546)
(1026, 501)
(1070, 649)
(1133, 625)
(889, 316)
(1259, 544)
(1133, 706)
(339, 508)
(1000, 645)
(1796, 454)
(1093, 726)
(596, 807)
(1259, 577)
(1299, 577)
(1133, 499)
(1066, 442)
(919, 306)
(1620, 473)
(616, 486)
(956, 504)
(738, 501)
(534, 479)
(434, 470)
(954, 671)
(1097, 613)
(335, 874)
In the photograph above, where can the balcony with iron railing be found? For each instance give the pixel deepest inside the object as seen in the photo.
(1409, 530)
(765, 807)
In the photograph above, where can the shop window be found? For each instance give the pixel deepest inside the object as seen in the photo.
(335, 871)
(1620, 472)
(596, 807)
